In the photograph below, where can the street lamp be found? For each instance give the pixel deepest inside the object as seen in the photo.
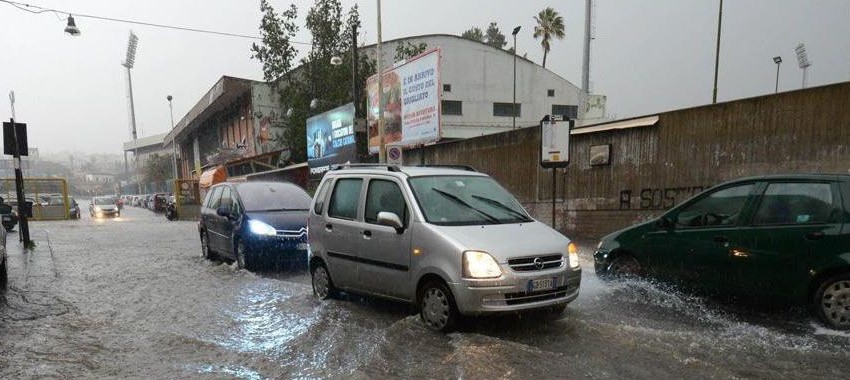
(778, 61)
(72, 27)
(513, 105)
(173, 139)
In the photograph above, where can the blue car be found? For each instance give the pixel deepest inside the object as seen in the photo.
(259, 225)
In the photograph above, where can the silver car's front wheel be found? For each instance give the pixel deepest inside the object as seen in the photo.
(322, 285)
(437, 308)
(833, 302)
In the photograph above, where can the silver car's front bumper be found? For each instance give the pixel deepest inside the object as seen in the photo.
(510, 292)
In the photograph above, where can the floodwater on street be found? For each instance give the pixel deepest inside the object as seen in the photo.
(132, 298)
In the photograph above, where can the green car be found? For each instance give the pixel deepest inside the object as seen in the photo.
(780, 239)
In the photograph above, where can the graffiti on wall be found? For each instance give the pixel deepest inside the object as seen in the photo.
(658, 198)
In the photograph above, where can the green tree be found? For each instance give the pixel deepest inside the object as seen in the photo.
(474, 34)
(276, 51)
(157, 168)
(316, 78)
(494, 37)
(406, 49)
(549, 24)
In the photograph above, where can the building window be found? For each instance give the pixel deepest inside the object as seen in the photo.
(452, 107)
(447, 88)
(506, 109)
(550, 93)
(568, 112)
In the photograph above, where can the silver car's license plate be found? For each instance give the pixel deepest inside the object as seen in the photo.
(541, 284)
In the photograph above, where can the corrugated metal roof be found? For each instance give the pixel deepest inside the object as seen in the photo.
(144, 142)
(622, 124)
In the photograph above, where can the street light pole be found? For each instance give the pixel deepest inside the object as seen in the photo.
(173, 140)
(513, 105)
(778, 61)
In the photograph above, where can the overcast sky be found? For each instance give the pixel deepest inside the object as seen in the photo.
(648, 56)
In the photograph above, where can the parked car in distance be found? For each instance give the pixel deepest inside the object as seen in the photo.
(255, 223)
(103, 207)
(452, 242)
(781, 238)
(159, 202)
(8, 216)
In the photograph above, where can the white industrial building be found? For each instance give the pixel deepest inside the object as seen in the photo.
(477, 81)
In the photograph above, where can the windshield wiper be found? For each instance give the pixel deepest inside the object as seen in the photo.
(462, 202)
(502, 206)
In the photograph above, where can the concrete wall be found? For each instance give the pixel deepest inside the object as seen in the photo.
(653, 168)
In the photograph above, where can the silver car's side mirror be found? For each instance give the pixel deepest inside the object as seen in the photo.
(391, 220)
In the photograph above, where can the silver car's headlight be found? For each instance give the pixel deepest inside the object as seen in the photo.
(477, 264)
(572, 251)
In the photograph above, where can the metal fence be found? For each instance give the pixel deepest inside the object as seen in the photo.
(49, 196)
(188, 198)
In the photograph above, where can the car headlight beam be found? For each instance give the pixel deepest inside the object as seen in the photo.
(477, 264)
(260, 228)
(572, 252)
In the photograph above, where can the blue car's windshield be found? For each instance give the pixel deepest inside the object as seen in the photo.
(272, 196)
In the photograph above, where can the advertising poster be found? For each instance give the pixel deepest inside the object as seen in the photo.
(330, 139)
(411, 102)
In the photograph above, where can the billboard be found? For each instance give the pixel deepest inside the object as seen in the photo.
(330, 139)
(411, 102)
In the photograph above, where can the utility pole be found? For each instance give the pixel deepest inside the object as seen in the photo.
(717, 52)
(382, 155)
(23, 207)
(513, 105)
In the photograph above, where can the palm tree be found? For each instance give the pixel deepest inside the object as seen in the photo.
(549, 24)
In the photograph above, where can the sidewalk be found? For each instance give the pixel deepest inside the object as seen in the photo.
(30, 270)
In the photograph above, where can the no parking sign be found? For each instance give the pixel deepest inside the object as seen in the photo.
(394, 156)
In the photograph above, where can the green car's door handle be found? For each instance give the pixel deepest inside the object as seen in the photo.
(721, 239)
(814, 236)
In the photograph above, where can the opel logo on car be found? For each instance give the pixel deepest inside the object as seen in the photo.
(538, 263)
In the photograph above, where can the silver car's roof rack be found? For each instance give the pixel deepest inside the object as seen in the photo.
(392, 168)
(459, 167)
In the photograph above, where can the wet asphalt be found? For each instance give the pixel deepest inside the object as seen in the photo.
(132, 298)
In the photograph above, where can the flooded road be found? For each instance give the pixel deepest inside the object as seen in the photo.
(132, 298)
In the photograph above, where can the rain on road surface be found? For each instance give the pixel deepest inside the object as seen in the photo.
(132, 298)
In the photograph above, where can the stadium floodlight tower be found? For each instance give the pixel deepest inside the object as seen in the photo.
(129, 62)
(803, 60)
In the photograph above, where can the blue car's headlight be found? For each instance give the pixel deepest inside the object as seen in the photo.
(259, 228)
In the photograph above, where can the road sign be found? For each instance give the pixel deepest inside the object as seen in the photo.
(555, 142)
(9, 146)
(394, 155)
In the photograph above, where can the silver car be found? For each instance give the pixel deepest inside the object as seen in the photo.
(448, 240)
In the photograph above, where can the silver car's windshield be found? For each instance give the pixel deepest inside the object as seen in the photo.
(466, 200)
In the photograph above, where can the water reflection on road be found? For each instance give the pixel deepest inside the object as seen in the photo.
(133, 298)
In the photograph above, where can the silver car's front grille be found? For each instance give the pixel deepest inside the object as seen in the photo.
(535, 263)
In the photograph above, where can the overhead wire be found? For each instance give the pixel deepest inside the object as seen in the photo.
(38, 9)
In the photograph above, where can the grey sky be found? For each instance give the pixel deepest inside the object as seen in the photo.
(648, 56)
